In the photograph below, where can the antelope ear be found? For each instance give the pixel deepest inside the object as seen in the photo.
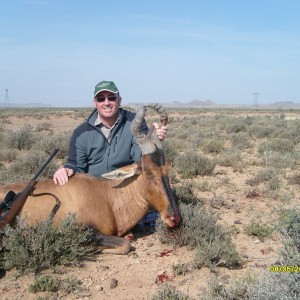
(124, 172)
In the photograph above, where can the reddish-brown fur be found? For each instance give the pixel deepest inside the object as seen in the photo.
(112, 207)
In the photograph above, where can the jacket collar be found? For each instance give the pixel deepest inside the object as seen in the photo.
(94, 115)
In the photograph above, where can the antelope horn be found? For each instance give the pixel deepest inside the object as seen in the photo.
(163, 120)
(144, 141)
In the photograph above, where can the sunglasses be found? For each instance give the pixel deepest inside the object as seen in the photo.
(109, 98)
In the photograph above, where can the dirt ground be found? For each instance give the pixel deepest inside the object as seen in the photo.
(141, 273)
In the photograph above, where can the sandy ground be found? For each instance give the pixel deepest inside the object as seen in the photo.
(141, 273)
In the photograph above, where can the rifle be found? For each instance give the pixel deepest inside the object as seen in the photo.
(13, 203)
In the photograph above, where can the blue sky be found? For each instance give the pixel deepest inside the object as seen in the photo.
(56, 51)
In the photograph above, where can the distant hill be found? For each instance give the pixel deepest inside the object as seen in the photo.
(193, 103)
(284, 103)
(24, 105)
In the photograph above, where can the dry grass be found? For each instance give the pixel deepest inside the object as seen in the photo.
(240, 165)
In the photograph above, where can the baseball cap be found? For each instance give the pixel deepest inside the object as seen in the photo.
(105, 86)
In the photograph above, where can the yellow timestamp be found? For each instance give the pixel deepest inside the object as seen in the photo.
(285, 269)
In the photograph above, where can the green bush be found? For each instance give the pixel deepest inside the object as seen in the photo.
(44, 283)
(26, 168)
(275, 286)
(237, 125)
(185, 194)
(278, 160)
(8, 155)
(277, 145)
(45, 126)
(42, 246)
(261, 130)
(168, 292)
(57, 141)
(291, 132)
(192, 164)
(289, 223)
(263, 175)
(22, 139)
(258, 229)
(241, 140)
(170, 151)
(234, 290)
(212, 146)
(294, 179)
(199, 230)
(231, 158)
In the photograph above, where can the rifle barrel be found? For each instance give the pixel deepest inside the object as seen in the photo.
(44, 165)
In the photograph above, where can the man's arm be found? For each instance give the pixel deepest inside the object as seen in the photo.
(61, 176)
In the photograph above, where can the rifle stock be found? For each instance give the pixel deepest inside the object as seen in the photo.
(14, 206)
(18, 203)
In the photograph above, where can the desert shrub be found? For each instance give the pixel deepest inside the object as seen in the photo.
(27, 167)
(43, 246)
(192, 164)
(199, 229)
(45, 126)
(181, 268)
(235, 289)
(277, 145)
(261, 130)
(170, 151)
(263, 175)
(294, 179)
(278, 160)
(167, 292)
(273, 183)
(57, 141)
(237, 125)
(275, 286)
(71, 285)
(44, 283)
(8, 155)
(258, 229)
(289, 223)
(183, 134)
(240, 140)
(231, 158)
(185, 194)
(269, 286)
(212, 146)
(291, 132)
(204, 186)
(253, 193)
(22, 139)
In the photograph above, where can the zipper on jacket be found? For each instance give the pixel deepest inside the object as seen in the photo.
(108, 152)
(116, 142)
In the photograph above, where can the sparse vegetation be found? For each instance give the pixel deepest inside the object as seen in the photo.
(44, 283)
(199, 230)
(259, 229)
(169, 293)
(192, 164)
(249, 157)
(42, 246)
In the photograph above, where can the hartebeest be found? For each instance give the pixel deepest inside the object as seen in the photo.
(112, 205)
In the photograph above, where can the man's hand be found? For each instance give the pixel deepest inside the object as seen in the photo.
(61, 176)
(161, 132)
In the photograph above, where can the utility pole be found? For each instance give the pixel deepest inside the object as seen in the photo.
(6, 99)
(255, 98)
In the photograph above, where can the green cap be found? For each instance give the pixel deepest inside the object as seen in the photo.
(105, 86)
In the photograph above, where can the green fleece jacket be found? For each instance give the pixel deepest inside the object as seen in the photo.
(90, 152)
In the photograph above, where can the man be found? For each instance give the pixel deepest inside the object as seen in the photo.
(104, 142)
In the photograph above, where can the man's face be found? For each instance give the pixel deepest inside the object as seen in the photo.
(107, 104)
